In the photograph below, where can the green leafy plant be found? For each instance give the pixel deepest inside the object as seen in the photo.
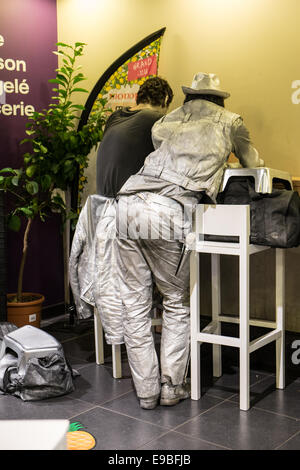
(57, 149)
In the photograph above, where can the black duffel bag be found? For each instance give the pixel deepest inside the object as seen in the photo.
(274, 217)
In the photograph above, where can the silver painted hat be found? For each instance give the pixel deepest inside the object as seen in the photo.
(205, 84)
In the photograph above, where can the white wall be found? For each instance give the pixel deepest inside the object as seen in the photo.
(253, 45)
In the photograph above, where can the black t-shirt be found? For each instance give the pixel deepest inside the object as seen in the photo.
(125, 145)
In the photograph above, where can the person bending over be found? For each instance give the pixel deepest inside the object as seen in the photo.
(127, 136)
(192, 145)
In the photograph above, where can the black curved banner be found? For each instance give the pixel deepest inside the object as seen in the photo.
(120, 83)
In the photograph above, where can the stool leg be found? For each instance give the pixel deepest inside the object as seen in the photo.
(216, 310)
(117, 362)
(244, 331)
(280, 318)
(99, 345)
(195, 325)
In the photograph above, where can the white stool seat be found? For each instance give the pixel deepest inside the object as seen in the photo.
(28, 342)
(231, 220)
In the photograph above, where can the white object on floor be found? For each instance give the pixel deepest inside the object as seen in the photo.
(34, 434)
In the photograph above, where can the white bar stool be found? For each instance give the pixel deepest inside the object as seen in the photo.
(231, 220)
(99, 348)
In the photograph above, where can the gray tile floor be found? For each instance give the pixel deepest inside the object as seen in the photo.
(109, 410)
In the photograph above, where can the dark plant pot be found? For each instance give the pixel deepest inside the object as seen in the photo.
(25, 313)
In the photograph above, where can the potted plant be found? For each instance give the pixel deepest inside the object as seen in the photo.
(56, 150)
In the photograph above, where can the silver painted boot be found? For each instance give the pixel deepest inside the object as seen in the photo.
(173, 394)
(149, 403)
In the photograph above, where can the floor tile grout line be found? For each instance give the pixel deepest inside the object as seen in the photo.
(188, 436)
(226, 400)
(223, 398)
(85, 401)
(200, 414)
(115, 398)
(213, 396)
(262, 380)
(276, 413)
(107, 401)
(203, 440)
(154, 439)
(169, 428)
(76, 337)
(68, 340)
(280, 445)
(76, 358)
(195, 438)
(150, 422)
(237, 393)
(230, 399)
(78, 367)
(84, 411)
(134, 417)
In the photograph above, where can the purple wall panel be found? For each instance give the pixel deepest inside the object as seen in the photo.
(29, 30)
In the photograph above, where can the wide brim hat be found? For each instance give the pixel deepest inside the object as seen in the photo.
(205, 84)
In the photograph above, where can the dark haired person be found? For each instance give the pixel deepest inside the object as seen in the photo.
(127, 136)
(125, 145)
(192, 145)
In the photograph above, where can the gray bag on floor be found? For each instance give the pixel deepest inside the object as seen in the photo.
(29, 375)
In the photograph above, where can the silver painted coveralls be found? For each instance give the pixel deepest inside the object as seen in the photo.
(80, 254)
(92, 267)
(192, 145)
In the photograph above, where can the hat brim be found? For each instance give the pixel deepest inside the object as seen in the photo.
(192, 91)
